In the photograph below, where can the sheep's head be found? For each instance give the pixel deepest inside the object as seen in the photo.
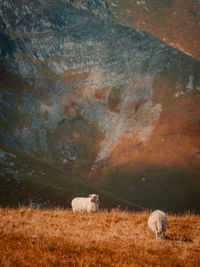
(94, 198)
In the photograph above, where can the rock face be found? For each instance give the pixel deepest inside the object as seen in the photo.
(175, 22)
(81, 88)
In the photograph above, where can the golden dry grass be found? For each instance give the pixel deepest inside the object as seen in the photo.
(31, 237)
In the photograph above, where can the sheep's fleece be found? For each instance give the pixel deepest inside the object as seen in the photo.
(83, 204)
(158, 223)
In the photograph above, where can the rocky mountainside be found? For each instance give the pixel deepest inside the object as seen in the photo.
(175, 22)
(85, 88)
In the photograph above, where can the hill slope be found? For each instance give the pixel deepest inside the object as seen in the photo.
(27, 180)
(175, 22)
(82, 88)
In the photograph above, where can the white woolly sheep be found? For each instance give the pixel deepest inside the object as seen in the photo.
(83, 204)
(158, 223)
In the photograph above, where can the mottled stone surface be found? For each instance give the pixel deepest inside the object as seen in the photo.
(81, 53)
(84, 88)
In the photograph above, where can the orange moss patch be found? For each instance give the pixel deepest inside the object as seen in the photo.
(14, 83)
(68, 76)
(60, 238)
(101, 94)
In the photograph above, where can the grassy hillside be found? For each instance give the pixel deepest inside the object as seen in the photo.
(27, 180)
(59, 238)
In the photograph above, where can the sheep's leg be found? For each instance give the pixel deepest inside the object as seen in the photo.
(164, 235)
(157, 236)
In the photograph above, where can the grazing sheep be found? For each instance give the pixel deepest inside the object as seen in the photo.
(83, 204)
(158, 223)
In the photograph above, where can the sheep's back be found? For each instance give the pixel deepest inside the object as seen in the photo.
(80, 203)
(156, 218)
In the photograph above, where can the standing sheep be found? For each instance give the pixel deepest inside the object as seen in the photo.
(83, 204)
(158, 223)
